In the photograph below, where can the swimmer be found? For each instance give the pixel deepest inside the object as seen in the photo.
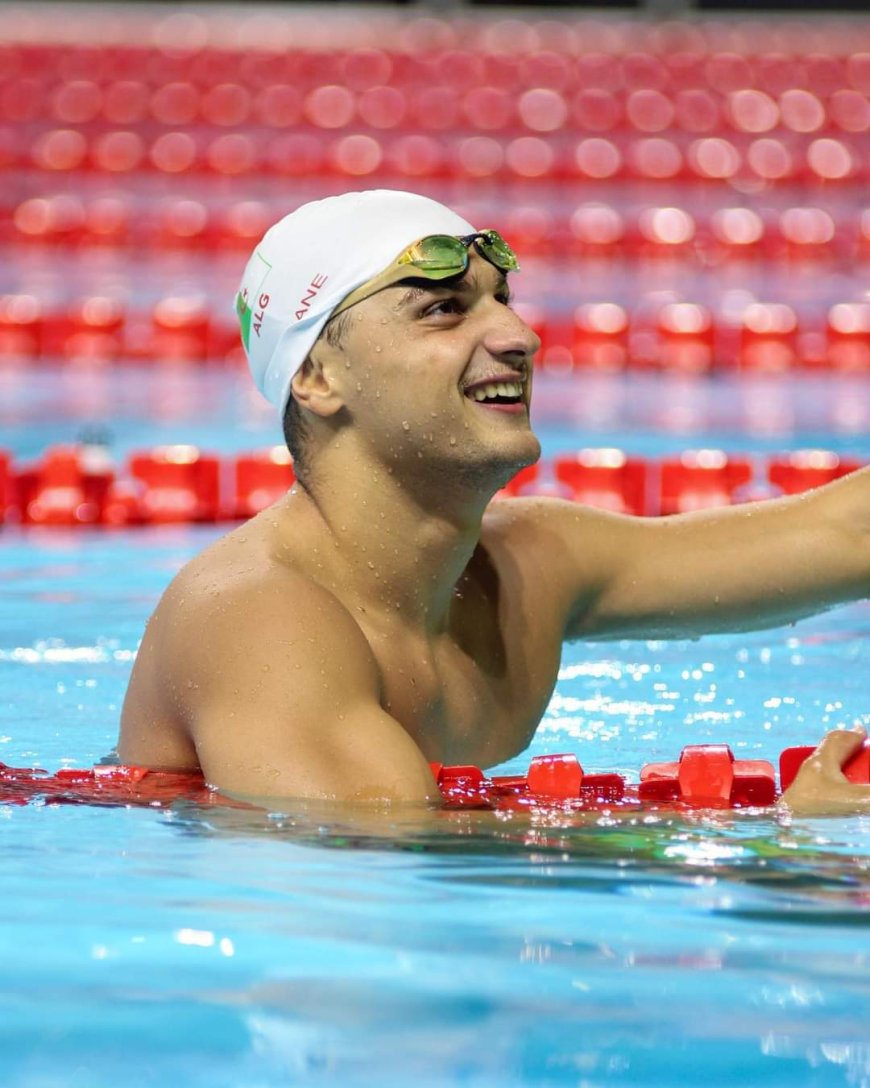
(386, 612)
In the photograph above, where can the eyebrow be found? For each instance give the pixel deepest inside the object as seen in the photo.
(466, 283)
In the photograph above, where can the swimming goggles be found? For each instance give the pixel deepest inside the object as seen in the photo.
(436, 257)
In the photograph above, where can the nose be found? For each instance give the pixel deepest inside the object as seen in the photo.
(507, 334)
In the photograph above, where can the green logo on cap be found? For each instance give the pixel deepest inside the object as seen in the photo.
(244, 310)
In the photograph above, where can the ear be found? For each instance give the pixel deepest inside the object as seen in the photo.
(315, 384)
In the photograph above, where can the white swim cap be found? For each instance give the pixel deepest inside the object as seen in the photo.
(311, 260)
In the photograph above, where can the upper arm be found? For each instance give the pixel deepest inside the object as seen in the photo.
(737, 567)
(288, 705)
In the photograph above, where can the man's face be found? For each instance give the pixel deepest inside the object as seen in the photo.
(440, 373)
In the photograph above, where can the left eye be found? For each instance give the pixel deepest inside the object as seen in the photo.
(444, 306)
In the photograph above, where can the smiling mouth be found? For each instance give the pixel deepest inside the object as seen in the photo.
(497, 393)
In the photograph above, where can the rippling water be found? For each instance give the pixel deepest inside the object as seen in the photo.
(326, 945)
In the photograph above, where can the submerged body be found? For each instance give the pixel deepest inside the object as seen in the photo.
(387, 612)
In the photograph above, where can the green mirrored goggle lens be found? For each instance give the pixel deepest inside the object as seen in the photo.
(448, 255)
(496, 250)
(436, 257)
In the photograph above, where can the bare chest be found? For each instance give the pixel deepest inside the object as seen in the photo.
(477, 707)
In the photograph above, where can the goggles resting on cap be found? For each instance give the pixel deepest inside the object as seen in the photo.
(436, 257)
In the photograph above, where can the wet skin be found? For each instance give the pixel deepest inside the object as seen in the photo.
(388, 613)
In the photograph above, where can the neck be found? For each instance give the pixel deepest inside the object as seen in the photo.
(391, 547)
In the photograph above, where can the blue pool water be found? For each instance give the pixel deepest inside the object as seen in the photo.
(210, 947)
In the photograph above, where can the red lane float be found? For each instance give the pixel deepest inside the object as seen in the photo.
(181, 484)
(705, 776)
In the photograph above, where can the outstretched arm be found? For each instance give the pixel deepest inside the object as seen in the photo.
(736, 568)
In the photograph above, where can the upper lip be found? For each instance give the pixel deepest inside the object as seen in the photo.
(496, 379)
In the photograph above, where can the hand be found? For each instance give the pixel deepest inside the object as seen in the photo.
(821, 788)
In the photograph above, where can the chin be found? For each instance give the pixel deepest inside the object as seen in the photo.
(492, 469)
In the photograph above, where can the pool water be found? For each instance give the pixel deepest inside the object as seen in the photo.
(326, 945)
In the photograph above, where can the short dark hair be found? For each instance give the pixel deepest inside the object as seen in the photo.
(297, 433)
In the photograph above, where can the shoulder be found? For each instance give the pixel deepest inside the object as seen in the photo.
(549, 529)
(238, 601)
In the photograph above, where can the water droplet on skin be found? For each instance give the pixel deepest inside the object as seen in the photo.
(406, 426)
(359, 387)
(452, 441)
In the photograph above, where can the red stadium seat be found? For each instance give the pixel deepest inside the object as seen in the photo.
(829, 161)
(649, 111)
(118, 152)
(768, 337)
(108, 221)
(594, 110)
(542, 109)
(713, 159)
(770, 160)
(356, 156)
(600, 336)
(847, 336)
(232, 154)
(91, 330)
(75, 102)
(700, 479)
(605, 478)
(531, 157)
(330, 107)
(597, 230)
(50, 220)
(61, 150)
(596, 159)
(665, 233)
(685, 338)
(180, 330)
(753, 111)
(697, 111)
(175, 104)
(654, 159)
(242, 224)
(849, 111)
(278, 105)
(295, 155)
(228, 105)
(382, 107)
(489, 109)
(807, 235)
(174, 152)
(801, 111)
(181, 224)
(416, 156)
(737, 233)
(22, 327)
(126, 101)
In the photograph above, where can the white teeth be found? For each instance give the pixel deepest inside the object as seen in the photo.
(497, 389)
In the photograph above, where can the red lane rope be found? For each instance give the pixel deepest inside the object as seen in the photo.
(705, 776)
(80, 485)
